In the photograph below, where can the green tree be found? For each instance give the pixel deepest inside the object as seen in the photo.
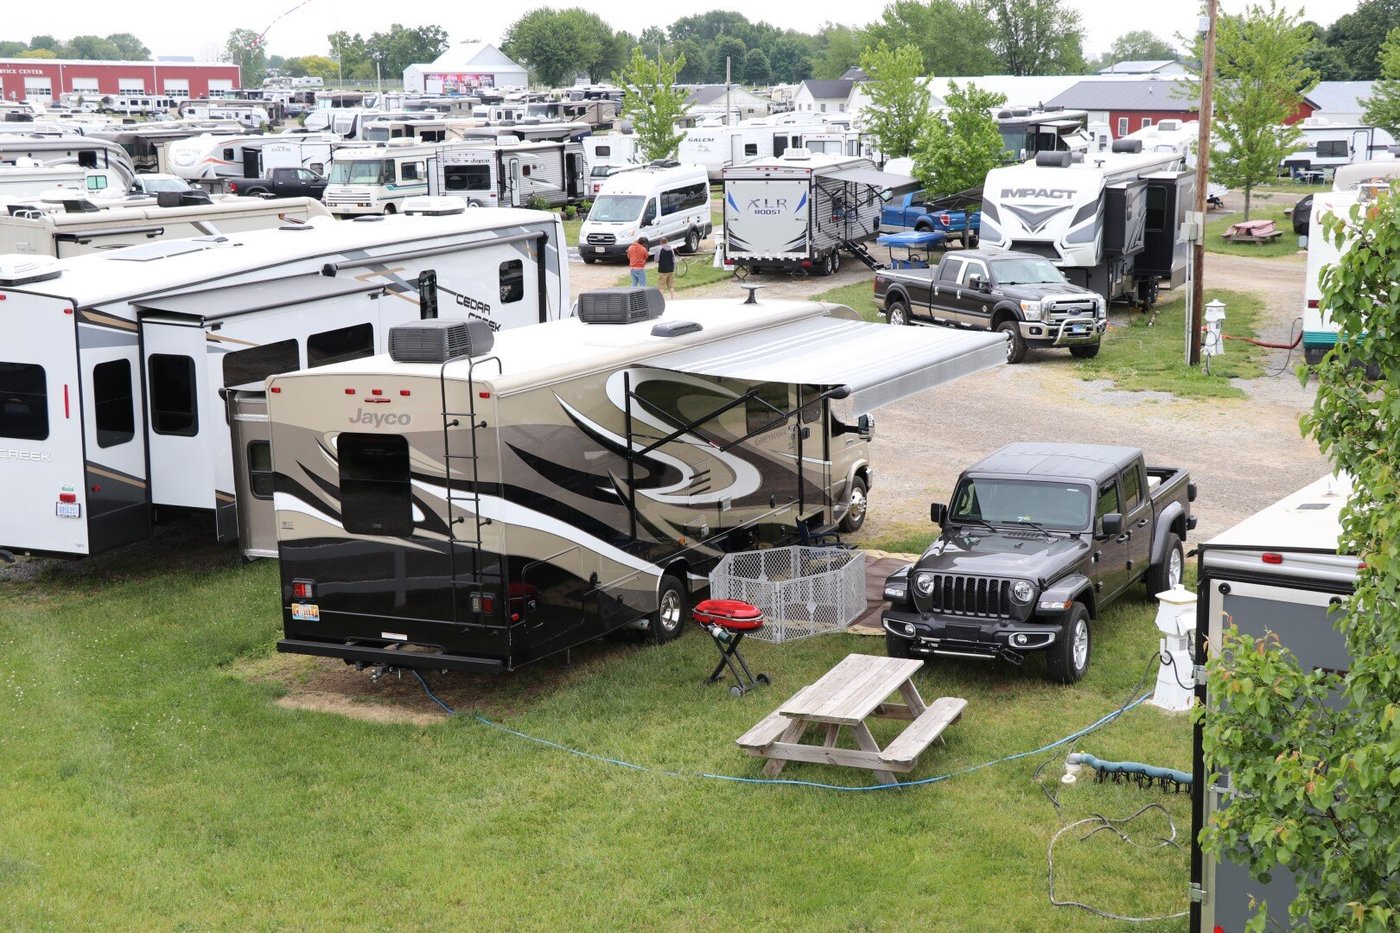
(707, 28)
(652, 103)
(1327, 62)
(695, 68)
(129, 47)
(1358, 36)
(899, 98)
(244, 48)
(45, 42)
(11, 48)
(1313, 754)
(1038, 37)
(732, 49)
(559, 44)
(93, 48)
(1260, 79)
(840, 48)
(1383, 106)
(791, 61)
(1140, 45)
(757, 68)
(954, 37)
(400, 47)
(316, 66)
(351, 55)
(962, 144)
(38, 53)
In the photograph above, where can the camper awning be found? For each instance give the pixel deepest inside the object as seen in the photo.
(880, 364)
(872, 177)
(213, 303)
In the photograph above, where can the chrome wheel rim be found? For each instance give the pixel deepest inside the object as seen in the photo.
(1174, 569)
(670, 610)
(857, 510)
(896, 315)
(1081, 645)
(1010, 345)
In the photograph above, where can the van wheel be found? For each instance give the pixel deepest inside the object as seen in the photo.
(672, 609)
(692, 240)
(855, 508)
(1067, 660)
(1015, 345)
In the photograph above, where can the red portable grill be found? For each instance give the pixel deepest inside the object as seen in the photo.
(727, 621)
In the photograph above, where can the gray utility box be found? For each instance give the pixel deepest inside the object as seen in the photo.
(1277, 571)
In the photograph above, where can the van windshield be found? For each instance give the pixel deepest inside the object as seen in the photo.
(617, 208)
(358, 172)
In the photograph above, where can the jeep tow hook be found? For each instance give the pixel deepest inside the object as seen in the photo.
(1013, 657)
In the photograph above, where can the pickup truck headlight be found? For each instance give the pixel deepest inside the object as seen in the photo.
(924, 583)
(1101, 309)
(1031, 309)
(1022, 592)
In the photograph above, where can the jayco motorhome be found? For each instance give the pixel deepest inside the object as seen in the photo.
(113, 364)
(1111, 221)
(509, 499)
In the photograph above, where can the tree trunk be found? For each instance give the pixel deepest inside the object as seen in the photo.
(1248, 194)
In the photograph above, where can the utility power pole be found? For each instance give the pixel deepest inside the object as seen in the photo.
(1198, 248)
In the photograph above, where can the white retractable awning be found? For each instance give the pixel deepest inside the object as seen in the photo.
(879, 363)
(871, 177)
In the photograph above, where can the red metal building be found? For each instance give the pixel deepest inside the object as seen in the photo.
(1129, 104)
(44, 80)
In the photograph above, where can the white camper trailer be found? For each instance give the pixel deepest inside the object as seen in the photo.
(1111, 221)
(797, 212)
(716, 147)
(1326, 145)
(508, 173)
(518, 496)
(107, 164)
(30, 178)
(605, 154)
(113, 363)
(145, 142)
(207, 157)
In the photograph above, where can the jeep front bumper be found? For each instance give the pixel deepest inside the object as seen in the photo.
(961, 636)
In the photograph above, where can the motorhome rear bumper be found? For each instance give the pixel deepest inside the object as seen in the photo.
(391, 657)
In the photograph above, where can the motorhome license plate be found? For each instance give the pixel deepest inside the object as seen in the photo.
(306, 612)
(68, 509)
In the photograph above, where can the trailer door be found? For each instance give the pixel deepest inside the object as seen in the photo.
(182, 461)
(251, 435)
(43, 506)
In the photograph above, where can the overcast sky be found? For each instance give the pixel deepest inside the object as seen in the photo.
(300, 27)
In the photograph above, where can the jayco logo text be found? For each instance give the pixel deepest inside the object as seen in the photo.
(375, 419)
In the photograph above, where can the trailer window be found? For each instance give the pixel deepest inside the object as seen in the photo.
(173, 407)
(24, 402)
(767, 407)
(260, 469)
(512, 281)
(751, 149)
(375, 495)
(1156, 209)
(115, 410)
(1333, 149)
(257, 363)
(411, 171)
(336, 346)
(603, 152)
(466, 177)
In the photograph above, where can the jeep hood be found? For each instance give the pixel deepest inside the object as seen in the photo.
(981, 552)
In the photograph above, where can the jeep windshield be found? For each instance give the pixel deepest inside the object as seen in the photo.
(1028, 271)
(995, 501)
(616, 208)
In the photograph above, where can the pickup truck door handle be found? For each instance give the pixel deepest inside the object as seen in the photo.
(1142, 524)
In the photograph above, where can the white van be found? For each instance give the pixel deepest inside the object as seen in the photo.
(648, 202)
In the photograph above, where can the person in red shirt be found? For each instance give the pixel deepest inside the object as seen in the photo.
(637, 262)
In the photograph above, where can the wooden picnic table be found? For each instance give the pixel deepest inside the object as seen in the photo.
(845, 697)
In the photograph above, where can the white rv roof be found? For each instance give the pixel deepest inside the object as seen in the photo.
(1309, 519)
(166, 265)
(1098, 165)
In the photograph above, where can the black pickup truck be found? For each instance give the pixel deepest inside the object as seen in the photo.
(281, 183)
(1038, 540)
(1019, 294)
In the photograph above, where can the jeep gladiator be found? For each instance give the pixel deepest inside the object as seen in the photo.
(280, 183)
(1037, 541)
(1020, 294)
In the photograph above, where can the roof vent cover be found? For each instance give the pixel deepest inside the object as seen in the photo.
(438, 341)
(620, 305)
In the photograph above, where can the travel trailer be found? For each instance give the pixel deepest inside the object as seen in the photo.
(492, 174)
(1352, 186)
(1326, 145)
(113, 364)
(648, 202)
(209, 157)
(1110, 220)
(797, 212)
(605, 154)
(144, 141)
(251, 114)
(29, 178)
(510, 498)
(39, 232)
(1279, 571)
(107, 165)
(716, 147)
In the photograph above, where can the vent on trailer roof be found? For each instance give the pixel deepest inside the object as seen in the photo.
(439, 341)
(620, 305)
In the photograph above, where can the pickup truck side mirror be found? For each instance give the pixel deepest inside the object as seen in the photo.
(938, 513)
(1113, 524)
(865, 427)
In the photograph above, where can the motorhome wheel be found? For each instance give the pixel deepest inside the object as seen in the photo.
(389, 209)
(1067, 660)
(672, 609)
(855, 509)
(1015, 346)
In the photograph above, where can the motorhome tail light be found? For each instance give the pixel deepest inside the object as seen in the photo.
(1269, 557)
(303, 589)
(276, 389)
(1312, 304)
(376, 391)
(806, 263)
(68, 497)
(349, 391)
(483, 395)
(405, 393)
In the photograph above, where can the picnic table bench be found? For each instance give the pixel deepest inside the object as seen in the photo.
(845, 697)
(1252, 231)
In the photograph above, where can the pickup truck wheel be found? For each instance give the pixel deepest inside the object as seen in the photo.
(257, 193)
(1067, 660)
(855, 508)
(692, 241)
(896, 312)
(1015, 346)
(896, 647)
(1167, 572)
(672, 609)
(1085, 351)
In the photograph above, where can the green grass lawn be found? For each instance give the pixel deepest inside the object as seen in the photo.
(698, 272)
(151, 782)
(1145, 353)
(858, 296)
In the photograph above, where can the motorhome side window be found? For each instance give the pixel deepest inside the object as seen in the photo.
(411, 171)
(24, 402)
(809, 398)
(512, 281)
(113, 406)
(336, 346)
(375, 495)
(603, 151)
(257, 363)
(767, 406)
(173, 399)
(751, 149)
(466, 177)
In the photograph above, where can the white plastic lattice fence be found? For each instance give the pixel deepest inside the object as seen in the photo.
(802, 591)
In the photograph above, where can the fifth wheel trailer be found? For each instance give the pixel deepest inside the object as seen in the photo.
(504, 501)
(1278, 571)
(113, 365)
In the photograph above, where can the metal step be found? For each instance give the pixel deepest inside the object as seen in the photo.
(859, 251)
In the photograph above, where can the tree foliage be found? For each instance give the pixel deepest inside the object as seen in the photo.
(1383, 106)
(559, 44)
(1260, 79)
(962, 144)
(757, 68)
(731, 49)
(954, 37)
(244, 48)
(119, 46)
(1314, 755)
(652, 103)
(899, 99)
(840, 51)
(1038, 37)
(1140, 45)
(1358, 36)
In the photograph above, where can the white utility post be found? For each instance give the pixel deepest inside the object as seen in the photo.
(1176, 618)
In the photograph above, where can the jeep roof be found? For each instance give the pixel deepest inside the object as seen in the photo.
(1097, 462)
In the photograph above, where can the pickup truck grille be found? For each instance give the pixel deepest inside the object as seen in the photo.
(1057, 311)
(601, 239)
(954, 594)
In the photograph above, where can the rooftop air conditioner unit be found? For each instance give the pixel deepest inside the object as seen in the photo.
(620, 305)
(440, 340)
